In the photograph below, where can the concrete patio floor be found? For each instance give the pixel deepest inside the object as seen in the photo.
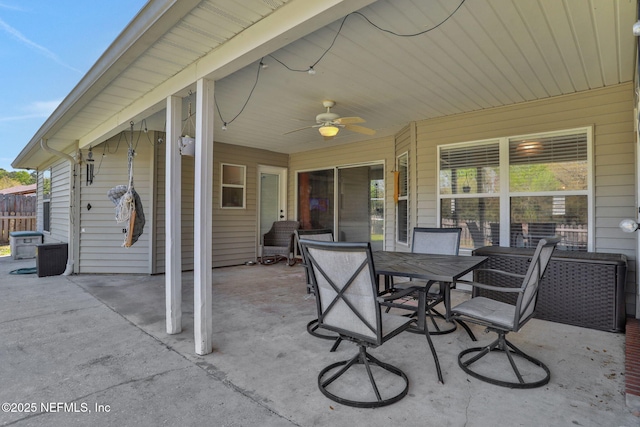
(92, 350)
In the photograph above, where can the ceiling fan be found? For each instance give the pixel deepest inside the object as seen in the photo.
(329, 123)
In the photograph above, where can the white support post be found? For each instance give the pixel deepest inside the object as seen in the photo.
(203, 210)
(173, 220)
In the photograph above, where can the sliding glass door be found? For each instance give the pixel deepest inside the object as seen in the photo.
(352, 206)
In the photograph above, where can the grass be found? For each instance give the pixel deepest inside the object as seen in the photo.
(5, 250)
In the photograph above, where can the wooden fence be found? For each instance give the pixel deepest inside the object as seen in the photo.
(17, 213)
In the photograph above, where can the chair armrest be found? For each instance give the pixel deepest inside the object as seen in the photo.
(504, 273)
(490, 287)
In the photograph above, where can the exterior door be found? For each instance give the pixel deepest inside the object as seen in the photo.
(272, 197)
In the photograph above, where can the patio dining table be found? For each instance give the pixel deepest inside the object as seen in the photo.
(446, 269)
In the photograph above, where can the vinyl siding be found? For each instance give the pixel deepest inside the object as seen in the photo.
(60, 202)
(609, 111)
(101, 237)
(234, 231)
(187, 240)
(380, 150)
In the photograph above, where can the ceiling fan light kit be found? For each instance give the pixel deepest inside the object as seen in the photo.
(328, 131)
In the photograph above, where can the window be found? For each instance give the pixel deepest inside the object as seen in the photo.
(233, 186)
(540, 189)
(402, 202)
(469, 185)
(46, 200)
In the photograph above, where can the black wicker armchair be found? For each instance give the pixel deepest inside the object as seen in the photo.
(277, 243)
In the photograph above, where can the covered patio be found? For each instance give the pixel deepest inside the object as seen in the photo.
(264, 365)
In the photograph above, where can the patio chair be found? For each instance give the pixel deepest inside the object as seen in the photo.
(345, 284)
(277, 243)
(502, 318)
(324, 235)
(439, 241)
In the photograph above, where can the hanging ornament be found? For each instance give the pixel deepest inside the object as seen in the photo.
(187, 143)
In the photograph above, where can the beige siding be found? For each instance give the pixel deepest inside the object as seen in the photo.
(609, 111)
(187, 241)
(60, 202)
(101, 237)
(375, 150)
(234, 230)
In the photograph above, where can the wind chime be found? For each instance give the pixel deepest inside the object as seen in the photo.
(90, 173)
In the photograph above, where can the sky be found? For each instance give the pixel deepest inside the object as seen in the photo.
(46, 47)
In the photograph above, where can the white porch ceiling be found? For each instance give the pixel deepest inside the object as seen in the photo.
(490, 53)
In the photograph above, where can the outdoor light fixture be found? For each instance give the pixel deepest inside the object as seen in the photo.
(628, 225)
(328, 131)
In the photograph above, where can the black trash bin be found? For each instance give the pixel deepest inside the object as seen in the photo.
(51, 259)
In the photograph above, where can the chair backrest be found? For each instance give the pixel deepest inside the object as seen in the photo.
(343, 277)
(323, 235)
(438, 241)
(526, 303)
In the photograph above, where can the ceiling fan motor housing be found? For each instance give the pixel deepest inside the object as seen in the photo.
(326, 117)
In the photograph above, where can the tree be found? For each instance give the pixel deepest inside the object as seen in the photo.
(7, 182)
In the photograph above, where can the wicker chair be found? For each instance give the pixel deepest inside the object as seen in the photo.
(503, 318)
(277, 243)
(346, 288)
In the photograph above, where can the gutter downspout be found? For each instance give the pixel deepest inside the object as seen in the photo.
(72, 162)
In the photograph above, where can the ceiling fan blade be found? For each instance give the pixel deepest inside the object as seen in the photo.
(349, 120)
(296, 130)
(360, 129)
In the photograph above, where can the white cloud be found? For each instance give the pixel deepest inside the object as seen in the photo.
(35, 110)
(11, 7)
(43, 50)
(43, 108)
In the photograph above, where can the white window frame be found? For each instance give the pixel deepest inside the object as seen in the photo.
(243, 186)
(505, 194)
(404, 198)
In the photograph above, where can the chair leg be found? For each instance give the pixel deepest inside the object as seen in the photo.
(503, 345)
(364, 358)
